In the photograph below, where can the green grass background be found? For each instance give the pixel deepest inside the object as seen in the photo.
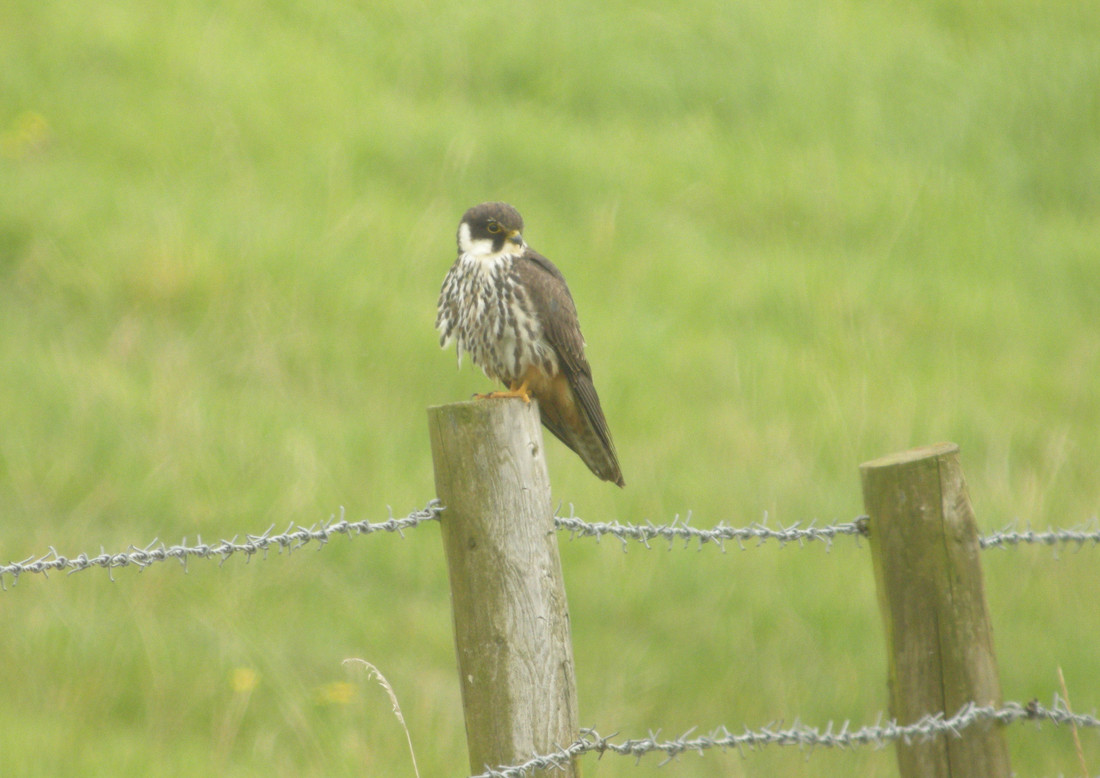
(800, 235)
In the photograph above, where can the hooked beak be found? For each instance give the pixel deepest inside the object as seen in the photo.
(515, 237)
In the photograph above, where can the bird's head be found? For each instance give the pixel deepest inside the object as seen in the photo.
(491, 228)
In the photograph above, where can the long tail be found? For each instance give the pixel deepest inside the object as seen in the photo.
(586, 430)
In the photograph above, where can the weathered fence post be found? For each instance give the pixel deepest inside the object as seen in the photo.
(924, 548)
(511, 621)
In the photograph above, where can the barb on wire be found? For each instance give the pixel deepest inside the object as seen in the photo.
(1081, 535)
(877, 735)
(290, 540)
(681, 529)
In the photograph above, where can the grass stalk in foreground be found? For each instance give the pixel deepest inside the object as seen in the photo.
(376, 674)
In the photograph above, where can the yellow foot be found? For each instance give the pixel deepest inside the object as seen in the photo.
(515, 391)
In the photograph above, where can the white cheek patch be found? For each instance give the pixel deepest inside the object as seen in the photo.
(467, 245)
(464, 238)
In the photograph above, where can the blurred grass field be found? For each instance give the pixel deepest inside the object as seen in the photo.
(800, 236)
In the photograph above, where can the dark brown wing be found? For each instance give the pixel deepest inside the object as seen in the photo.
(554, 307)
(557, 313)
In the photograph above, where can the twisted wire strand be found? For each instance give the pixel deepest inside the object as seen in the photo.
(1087, 534)
(290, 540)
(678, 530)
(681, 530)
(1082, 535)
(877, 735)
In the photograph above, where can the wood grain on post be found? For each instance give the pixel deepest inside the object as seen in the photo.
(924, 548)
(511, 620)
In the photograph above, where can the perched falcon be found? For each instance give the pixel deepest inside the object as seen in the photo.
(508, 307)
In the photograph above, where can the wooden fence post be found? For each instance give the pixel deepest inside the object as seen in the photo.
(511, 620)
(924, 548)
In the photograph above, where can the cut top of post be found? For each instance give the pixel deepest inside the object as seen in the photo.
(912, 455)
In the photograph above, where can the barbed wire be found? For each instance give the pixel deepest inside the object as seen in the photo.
(877, 735)
(290, 540)
(681, 530)
(1081, 535)
(294, 537)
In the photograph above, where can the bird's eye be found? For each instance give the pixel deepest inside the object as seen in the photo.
(494, 227)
